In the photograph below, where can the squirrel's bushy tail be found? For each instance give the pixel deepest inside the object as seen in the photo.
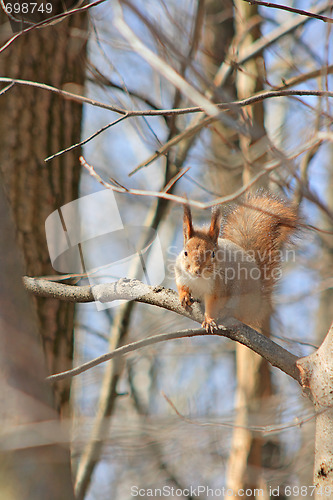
(261, 225)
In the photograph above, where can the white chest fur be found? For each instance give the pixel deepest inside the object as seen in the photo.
(198, 285)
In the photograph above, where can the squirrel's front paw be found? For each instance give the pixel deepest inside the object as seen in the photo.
(185, 298)
(209, 324)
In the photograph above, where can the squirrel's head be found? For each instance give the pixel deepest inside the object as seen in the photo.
(199, 256)
(200, 246)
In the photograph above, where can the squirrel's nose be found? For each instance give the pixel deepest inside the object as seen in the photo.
(196, 270)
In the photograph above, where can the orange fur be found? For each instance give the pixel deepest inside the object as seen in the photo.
(235, 275)
(262, 224)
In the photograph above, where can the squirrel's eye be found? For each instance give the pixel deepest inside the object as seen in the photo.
(185, 253)
(213, 255)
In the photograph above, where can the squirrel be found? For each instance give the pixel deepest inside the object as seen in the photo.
(235, 275)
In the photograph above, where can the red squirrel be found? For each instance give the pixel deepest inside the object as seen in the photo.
(235, 275)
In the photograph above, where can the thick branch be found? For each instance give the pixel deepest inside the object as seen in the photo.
(167, 299)
(123, 289)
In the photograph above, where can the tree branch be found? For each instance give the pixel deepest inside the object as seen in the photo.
(167, 299)
(256, 98)
(272, 165)
(276, 355)
(290, 9)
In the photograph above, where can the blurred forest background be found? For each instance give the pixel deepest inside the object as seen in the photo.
(120, 430)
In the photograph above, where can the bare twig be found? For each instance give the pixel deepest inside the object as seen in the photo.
(63, 93)
(198, 204)
(81, 143)
(256, 98)
(195, 128)
(8, 87)
(179, 199)
(327, 70)
(175, 179)
(265, 347)
(290, 9)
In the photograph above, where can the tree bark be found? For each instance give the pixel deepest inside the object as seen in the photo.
(225, 170)
(35, 124)
(317, 378)
(34, 457)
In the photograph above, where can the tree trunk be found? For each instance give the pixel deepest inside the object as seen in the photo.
(35, 124)
(317, 378)
(225, 170)
(34, 456)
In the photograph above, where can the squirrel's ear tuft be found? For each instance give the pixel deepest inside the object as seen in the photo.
(187, 224)
(215, 225)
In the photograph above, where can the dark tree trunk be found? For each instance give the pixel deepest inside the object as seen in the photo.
(36, 123)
